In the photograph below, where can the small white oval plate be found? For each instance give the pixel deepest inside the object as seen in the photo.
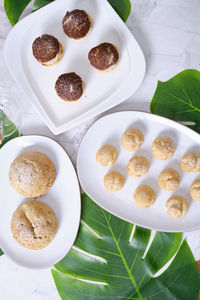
(101, 91)
(63, 198)
(108, 130)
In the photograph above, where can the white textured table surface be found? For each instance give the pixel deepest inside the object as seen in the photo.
(169, 33)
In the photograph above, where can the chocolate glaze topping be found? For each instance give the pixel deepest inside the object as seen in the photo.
(69, 86)
(45, 48)
(103, 56)
(76, 23)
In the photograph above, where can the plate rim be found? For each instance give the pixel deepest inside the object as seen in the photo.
(26, 88)
(158, 117)
(78, 202)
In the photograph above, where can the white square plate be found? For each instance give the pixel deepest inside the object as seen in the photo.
(102, 91)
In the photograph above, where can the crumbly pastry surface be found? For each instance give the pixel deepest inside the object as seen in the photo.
(132, 139)
(163, 148)
(56, 59)
(34, 225)
(32, 174)
(47, 49)
(114, 181)
(69, 86)
(103, 56)
(138, 166)
(190, 162)
(106, 155)
(76, 24)
(176, 207)
(195, 190)
(144, 196)
(169, 179)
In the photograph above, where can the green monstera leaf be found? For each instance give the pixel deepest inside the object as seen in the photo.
(179, 98)
(122, 7)
(14, 8)
(40, 3)
(9, 129)
(109, 262)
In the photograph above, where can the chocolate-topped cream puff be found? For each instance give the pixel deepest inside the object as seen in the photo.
(69, 86)
(47, 50)
(76, 24)
(104, 56)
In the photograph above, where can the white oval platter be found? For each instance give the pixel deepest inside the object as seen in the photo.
(108, 130)
(63, 198)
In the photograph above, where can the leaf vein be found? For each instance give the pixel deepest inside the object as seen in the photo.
(184, 102)
(120, 232)
(135, 259)
(124, 261)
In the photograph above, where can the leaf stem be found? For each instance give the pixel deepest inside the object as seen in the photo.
(123, 259)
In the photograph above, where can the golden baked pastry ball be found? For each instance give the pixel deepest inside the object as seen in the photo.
(163, 148)
(195, 190)
(169, 180)
(32, 174)
(33, 225)
(144, 196)
(114, 181)
(106, 155)
(138, 166)
(190, 162)
(132, 139)
(176, 207)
